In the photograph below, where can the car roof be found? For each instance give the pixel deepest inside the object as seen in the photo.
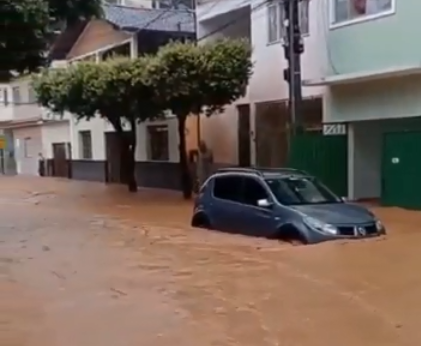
(265, 173)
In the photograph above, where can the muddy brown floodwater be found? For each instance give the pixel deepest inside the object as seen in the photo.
(88, 265)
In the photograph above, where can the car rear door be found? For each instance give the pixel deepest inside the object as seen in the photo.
(226, 196)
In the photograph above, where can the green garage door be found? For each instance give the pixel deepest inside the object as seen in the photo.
(325, 157)
(401, 170)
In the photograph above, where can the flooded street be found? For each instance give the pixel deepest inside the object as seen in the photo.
(89, 265)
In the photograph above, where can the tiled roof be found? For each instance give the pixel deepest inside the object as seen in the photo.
(129, 18)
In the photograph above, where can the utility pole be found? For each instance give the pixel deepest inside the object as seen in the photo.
(293, 48)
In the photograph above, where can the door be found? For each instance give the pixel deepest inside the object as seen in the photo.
(324, 156)
(60, 168)
(255, 220)
(244, 145)
(225, 208)
(401, 170)
(112, 146)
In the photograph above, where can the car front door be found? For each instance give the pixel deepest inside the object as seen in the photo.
(226, 202)
(256, 221)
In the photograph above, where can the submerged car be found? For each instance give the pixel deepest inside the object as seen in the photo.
(285, 204)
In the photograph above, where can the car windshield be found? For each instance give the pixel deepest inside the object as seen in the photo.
(301, 190)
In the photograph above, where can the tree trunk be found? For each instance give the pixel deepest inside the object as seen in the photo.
(186, 183)
(127, 154)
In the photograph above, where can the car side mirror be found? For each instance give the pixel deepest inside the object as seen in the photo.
(264, 203)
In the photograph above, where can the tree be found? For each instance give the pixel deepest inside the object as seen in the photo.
(117, 90)
(195, 79)
(28, 27)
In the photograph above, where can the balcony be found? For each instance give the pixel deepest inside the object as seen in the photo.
(15, 115)
(223, 21)
(208, 9)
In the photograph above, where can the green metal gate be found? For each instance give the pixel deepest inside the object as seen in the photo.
(401, 170)
(324, 156)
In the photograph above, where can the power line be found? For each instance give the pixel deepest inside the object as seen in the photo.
(159, 16)
(172, 12)
(222, 27)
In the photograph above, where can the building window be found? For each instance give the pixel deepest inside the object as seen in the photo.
(157, 143)
(4, 97)
(276, 18)
(85, 145)
(304, 13)
(31, 94)
(27, 147)
(274, 21)
(347, 10)
(16, 95)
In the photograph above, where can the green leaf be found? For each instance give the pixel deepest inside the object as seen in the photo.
(26, 29)
(117, 89)
(193, 79)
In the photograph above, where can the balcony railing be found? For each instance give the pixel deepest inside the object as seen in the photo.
(32, 112)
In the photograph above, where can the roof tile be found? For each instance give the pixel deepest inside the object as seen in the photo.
(130, 18)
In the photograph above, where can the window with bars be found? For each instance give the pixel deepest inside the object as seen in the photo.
(85, 145)
(31, 94)
(346, 10)
(27, 152)
(304, 17)
(17, 99)
(4, 96)
(157, 143)
(276, 18)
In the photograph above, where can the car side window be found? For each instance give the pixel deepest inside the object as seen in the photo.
(227, 188)
(253, 191)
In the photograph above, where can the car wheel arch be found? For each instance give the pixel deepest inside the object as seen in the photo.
(201, 219)
(291, 232)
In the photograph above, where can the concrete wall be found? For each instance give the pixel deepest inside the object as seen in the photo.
(266, 83)
(54, 133)
(18, 109)
(6, 108)
(220, 130)
(376, 42)
(99, 126)
(365, 153)
(27, 164)
(383, 99)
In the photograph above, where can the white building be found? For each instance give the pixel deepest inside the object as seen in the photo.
(28, 130)
(257, 137)
(87, 149)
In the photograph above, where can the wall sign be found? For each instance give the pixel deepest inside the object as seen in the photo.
(334, 129)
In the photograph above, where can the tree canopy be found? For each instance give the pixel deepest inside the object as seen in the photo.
(183, 78)
(195, 79)
(28, 27)
(117, 90)
(202, 78)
